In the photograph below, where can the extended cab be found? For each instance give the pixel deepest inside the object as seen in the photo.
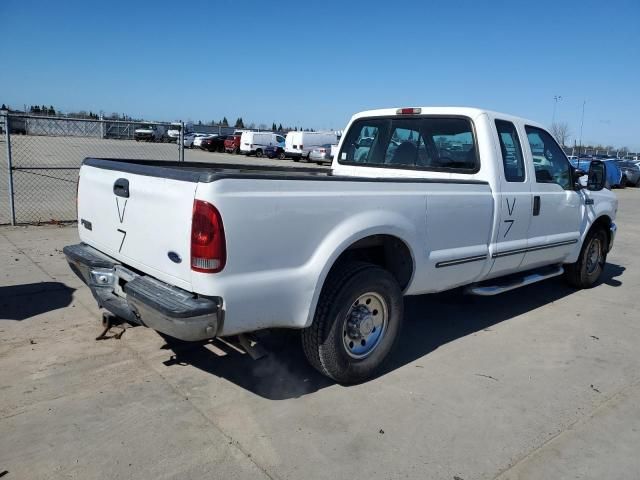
(418, 200)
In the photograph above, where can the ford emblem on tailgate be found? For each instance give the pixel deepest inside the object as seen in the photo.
(174, 257)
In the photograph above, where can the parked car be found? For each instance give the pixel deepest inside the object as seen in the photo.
(275, 151)
(188, 139)
(321, 154)
(226, 250)
(232, 143)
(630, 172)
(150, 133)
(214, 144)
(255, 142)
(197, 142)
(299, 144)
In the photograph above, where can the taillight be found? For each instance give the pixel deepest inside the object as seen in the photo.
(208, 245)
(322, 150)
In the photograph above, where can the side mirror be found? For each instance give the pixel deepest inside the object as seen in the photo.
(597, 175)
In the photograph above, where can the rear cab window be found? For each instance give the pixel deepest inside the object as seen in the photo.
(511, 151)
(436, 143)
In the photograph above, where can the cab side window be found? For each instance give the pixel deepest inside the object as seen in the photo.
(512, 158)
(549, 161)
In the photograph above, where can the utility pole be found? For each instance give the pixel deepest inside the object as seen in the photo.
(581, 125)
(556, 98)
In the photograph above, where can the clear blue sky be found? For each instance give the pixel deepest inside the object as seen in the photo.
(316, 63)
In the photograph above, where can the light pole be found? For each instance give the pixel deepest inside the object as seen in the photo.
(581, 125)
(556, 98)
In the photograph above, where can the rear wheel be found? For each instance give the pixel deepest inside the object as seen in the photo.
(282, 156)
(259, 153)
(356, 323)
(593, 256)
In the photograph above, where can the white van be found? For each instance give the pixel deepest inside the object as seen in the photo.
(300, 144)
(256, 142)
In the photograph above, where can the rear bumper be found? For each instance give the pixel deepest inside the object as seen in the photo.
(143, 299)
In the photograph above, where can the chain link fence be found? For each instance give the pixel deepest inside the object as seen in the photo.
(40, 158)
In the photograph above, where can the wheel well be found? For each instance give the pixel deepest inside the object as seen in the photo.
(604, 223)
(387, 251)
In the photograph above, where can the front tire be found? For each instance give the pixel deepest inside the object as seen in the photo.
(259, 153)
(356, 324)
(593, 256)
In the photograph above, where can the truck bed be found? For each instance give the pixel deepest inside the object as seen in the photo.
(199, 172)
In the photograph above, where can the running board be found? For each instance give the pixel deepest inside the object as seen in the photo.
(512, 282)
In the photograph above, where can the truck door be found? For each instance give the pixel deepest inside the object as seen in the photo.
(514, 198)
(556, 211)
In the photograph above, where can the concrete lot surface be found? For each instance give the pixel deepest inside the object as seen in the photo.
(538, 383)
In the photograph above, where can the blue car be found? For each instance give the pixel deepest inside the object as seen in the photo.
(613, 172)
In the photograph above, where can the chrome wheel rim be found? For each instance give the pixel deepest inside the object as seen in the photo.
(365, 325)
(594, 256)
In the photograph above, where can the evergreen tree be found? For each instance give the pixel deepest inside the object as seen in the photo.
(52, 111)
(239, 123)
(273, 126)
(4, 107)
(280, 128)
(225, 122)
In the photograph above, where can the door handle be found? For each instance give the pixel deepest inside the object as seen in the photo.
(536, 205)
(121, 187)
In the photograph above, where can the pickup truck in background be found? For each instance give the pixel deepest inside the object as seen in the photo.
(150, 133)
(434, 199)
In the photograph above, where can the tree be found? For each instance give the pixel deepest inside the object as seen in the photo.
(239, 123)
(225, 122)
(561, 132)
(262, 126)
(274, 127)
(280, 128)
(51, 111)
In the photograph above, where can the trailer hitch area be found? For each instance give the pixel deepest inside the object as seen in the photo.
(109, 320)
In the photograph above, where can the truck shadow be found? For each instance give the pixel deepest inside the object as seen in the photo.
(20, 302)
(430, 321)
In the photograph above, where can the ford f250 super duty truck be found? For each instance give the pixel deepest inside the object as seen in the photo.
(418, 200)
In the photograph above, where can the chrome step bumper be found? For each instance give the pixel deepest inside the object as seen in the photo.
(143, 299)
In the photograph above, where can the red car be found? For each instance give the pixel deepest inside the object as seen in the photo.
(232, 144)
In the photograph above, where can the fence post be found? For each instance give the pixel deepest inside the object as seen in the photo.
(181, 143)
(7, 129)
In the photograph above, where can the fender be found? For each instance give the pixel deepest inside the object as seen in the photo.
(605, 205)
(349, 232)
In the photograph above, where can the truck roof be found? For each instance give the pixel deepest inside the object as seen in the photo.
(471, 112)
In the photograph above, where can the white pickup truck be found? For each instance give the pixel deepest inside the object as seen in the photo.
(418, 200)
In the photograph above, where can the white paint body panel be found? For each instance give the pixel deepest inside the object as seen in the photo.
(284, 235)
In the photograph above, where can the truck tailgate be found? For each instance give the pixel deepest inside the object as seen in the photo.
(142, 221)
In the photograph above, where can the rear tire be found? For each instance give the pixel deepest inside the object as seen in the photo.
(356, 323)
(259, 153)
(623, 182)
(593, 256)
(281, 156)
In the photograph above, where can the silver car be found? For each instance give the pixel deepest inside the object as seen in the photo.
(321, 154)
(630, 172)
